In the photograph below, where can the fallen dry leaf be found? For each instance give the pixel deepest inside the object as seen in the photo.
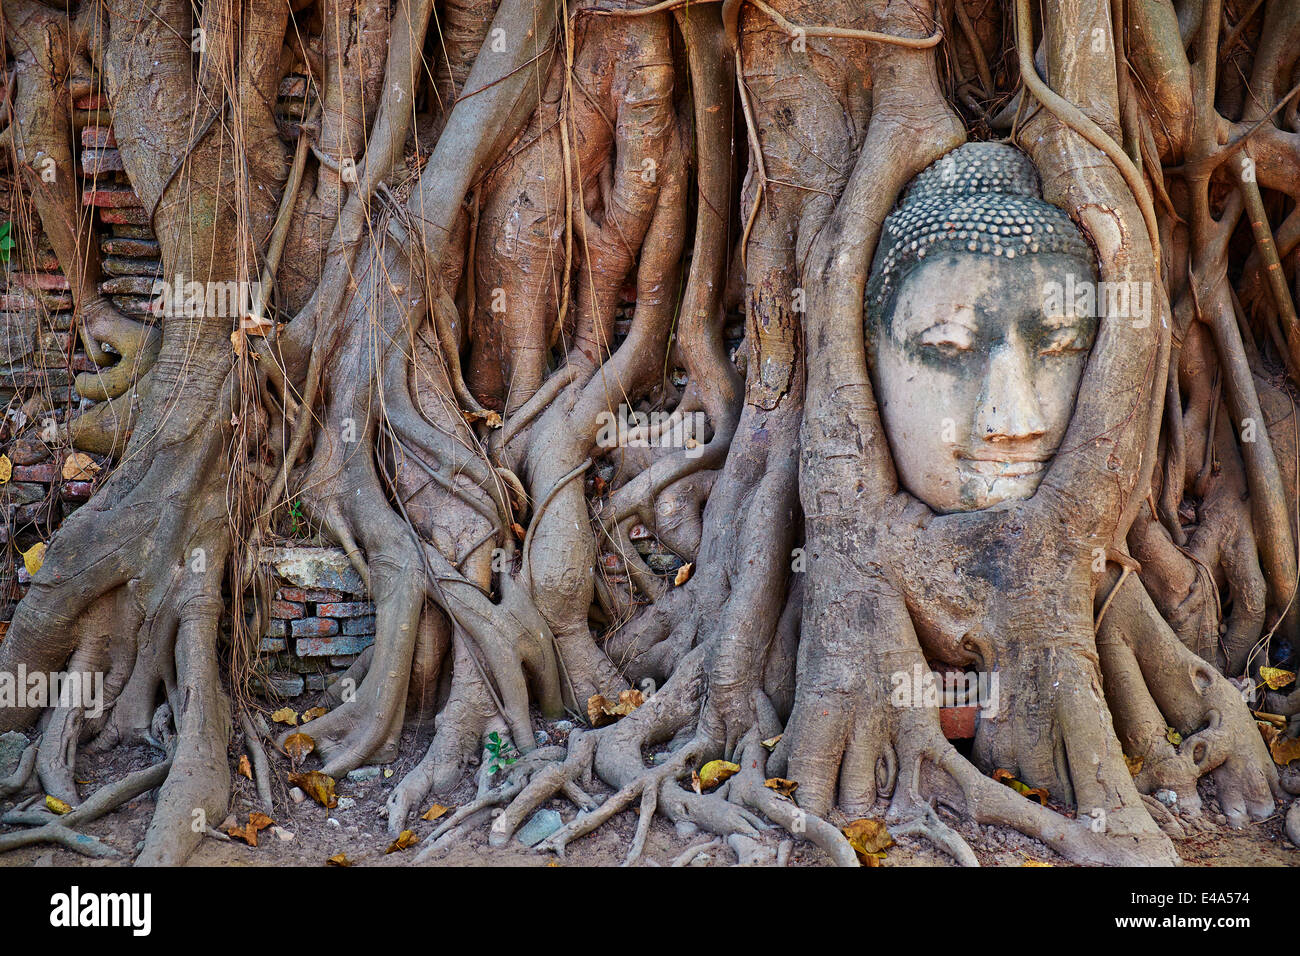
(245, 768)
(251, 324)
(1173, 736)
(434, 812)
(716, 772)
(1134, 765)
(338, 859)
(869, 839)
(55, 805)
(1284, 750)
(683, 575)
(248, 832)
(405, 839)
(1004, 776)
(298, 746)
(286, 715)
(771, 742)
(784, 787)
(1030, 861)
(601, 712)
(79, 467)
(309, 715)
(319, 786)
(34, 557)
(6, 469)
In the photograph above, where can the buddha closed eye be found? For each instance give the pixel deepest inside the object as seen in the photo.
(976, 378)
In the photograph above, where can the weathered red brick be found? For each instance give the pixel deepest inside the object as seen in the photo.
(345, 609)
(98, 137)
(101, 162)
(110, 197)
(287, 610)
(958, 723)
(128, 216)
(44, 473)
(92, 101)
(53, 281)
(314, 627)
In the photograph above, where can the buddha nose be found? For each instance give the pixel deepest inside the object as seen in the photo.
(1008, 408)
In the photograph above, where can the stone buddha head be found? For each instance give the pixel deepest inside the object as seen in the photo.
(975, 369)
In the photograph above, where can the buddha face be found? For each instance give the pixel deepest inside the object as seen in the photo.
(976, 380)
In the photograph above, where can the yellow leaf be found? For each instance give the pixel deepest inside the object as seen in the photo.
(319, 786)
(715, 772)
(784, 787)
(1004, 776)
(1285, 750)
(1030, 861)
(771, 742)
(34, 557)
(1277, 720)
(55, 805)
(683, 574)
(79, 467)
(237, 342)
(1134, 765)
(6, 469)
(434, 812)
(286, 715)
(869, 839)
(1173, 736)
(245, 769)
(309, 715)
(406, 838)
(1275, 677)
(338, 859)
(298, 746)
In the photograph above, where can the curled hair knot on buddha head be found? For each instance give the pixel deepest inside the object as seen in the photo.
(979, 199)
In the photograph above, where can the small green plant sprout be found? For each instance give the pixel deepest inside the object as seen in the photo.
(297, 522)
(500, 752)
(7, 244)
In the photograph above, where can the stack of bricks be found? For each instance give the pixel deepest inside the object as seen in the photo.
(131, 259)
(321, 619)
(40, 353)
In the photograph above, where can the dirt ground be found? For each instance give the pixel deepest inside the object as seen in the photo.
(306, 834)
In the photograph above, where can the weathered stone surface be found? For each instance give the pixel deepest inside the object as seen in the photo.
(286, 685)
(310, 567)
(12, 746)
(539, 826)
